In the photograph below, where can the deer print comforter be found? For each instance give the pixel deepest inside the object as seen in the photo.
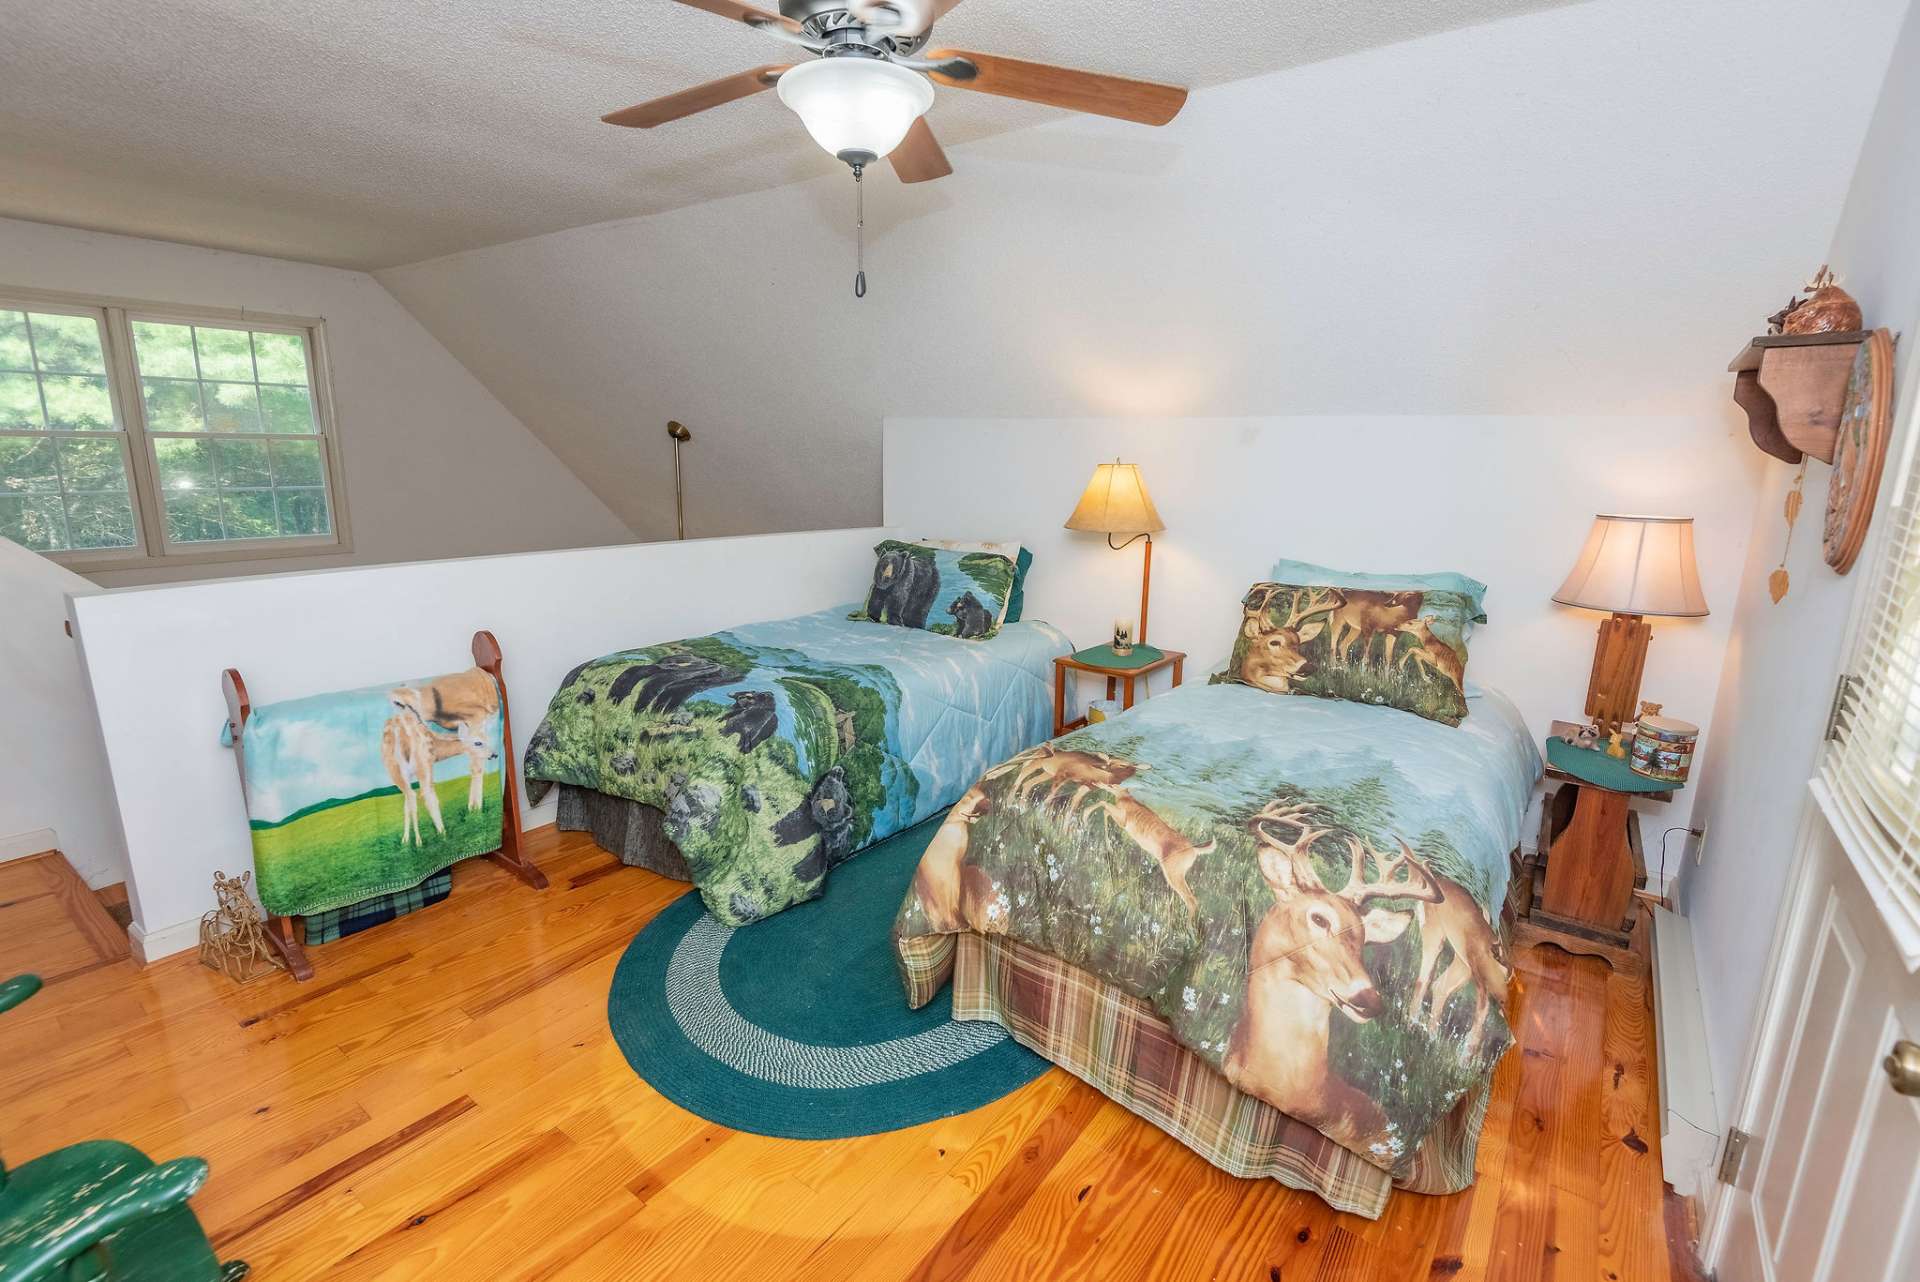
(1306, 890)
(775, 751)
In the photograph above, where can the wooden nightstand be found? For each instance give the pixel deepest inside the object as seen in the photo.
(1590, 859)
(1117, 669)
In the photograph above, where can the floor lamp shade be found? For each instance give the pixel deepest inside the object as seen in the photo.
(1116, 502)
(1631, 566)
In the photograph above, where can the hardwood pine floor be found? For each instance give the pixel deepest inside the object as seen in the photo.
(444, 1100)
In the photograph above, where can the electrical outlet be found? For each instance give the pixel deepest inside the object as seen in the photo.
(1700, 845)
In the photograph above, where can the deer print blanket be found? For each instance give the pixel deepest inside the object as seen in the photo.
(1306, 890)
(364, 792)
(776, 750)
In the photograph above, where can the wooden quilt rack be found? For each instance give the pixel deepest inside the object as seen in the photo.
(285, 935)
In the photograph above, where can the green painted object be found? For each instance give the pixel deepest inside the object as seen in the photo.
(1102, 656)
(102, 1211)
(17, 990)
(1594, 766)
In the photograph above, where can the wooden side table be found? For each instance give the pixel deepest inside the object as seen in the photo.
(1101, 661)
(1590, 846)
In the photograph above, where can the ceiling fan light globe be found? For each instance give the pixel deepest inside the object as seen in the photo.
(854, 105)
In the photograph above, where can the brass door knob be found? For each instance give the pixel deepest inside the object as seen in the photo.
(1903, 1067)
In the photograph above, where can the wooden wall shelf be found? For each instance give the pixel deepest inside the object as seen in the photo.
(1792, 387)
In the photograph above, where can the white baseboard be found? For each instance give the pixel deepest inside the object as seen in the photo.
(150, 946)
(1689, 1116)
(20, 845)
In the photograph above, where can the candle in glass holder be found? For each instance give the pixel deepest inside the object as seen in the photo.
(1122, 636)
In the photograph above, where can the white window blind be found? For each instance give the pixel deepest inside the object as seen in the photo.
(1872, 770)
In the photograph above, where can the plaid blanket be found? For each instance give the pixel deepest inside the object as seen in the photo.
(338, 923)
(1116, 1044)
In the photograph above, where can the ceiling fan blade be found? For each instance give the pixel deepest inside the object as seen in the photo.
(919, 158)
(1137, 100)
(688, 101)
(736, 12)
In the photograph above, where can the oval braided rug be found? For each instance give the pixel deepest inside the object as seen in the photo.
(797, 1026)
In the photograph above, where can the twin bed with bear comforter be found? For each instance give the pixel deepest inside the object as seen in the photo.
(1269, 925)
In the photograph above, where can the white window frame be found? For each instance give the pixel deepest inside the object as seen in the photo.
(1879, 857)
(152, 547)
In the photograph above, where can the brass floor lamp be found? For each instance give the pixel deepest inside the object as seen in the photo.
(680, 437)
(1116, 502)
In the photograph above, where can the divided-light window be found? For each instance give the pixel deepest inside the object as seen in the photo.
(130, 434)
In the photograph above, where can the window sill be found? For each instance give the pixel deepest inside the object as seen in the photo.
(226, 554)
(1900, 921)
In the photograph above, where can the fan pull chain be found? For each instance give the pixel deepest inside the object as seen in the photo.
(859, 233)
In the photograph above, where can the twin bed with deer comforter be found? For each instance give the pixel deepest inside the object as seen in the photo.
(1270, 925)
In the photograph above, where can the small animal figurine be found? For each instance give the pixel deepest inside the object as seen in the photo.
(233, 939)
(1615, 748)
(1826, 309)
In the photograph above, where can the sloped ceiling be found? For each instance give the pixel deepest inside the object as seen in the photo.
(365, 135)
(1582, 210)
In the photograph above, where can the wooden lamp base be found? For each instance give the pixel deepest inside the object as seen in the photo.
(1620, 656)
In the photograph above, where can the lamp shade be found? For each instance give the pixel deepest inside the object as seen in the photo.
(1116, 502)
(857, 108)
(1636, 565)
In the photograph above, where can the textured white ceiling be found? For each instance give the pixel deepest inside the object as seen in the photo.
(1538, 216)
(367, 135)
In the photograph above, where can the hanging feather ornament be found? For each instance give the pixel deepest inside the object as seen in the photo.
(1777, 581)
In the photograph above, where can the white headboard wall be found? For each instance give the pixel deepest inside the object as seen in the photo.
(1505, 499)
(154, 658)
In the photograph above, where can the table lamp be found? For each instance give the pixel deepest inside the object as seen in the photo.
(1631, 566)
(1116, 502)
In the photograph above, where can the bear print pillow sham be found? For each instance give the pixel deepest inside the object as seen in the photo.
(951, 591)
(1405, 648)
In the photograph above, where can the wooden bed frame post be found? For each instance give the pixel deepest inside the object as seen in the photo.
(286, 935)
(486, 657)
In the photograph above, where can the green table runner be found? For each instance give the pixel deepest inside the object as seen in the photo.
(1594, 766)
(1102, 656)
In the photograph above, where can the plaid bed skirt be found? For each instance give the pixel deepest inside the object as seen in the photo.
(1120, 1046)
(338, 923)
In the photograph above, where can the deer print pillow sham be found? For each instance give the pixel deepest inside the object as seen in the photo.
(1403, 649)
(1306, 893)
(364, 792)
(954, 591)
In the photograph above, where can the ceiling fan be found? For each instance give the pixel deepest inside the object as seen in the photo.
(866, 92)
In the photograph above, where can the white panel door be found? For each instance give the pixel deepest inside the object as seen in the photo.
(1832, 1183)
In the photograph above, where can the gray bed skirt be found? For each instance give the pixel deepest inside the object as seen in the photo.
(632, 831)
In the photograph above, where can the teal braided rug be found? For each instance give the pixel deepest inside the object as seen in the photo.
(797, 1026)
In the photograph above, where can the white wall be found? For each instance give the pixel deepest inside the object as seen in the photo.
(154, 658)
(1781, 659)
(435, 466)
(1578, 211)
(54, 788)
(1507, 500)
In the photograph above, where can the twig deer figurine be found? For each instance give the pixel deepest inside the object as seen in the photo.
(233, 938)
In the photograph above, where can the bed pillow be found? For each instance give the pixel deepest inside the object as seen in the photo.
(1285, 571)
(1403, 649)
(956, 592)
(1017, 603)
(1022, 562)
